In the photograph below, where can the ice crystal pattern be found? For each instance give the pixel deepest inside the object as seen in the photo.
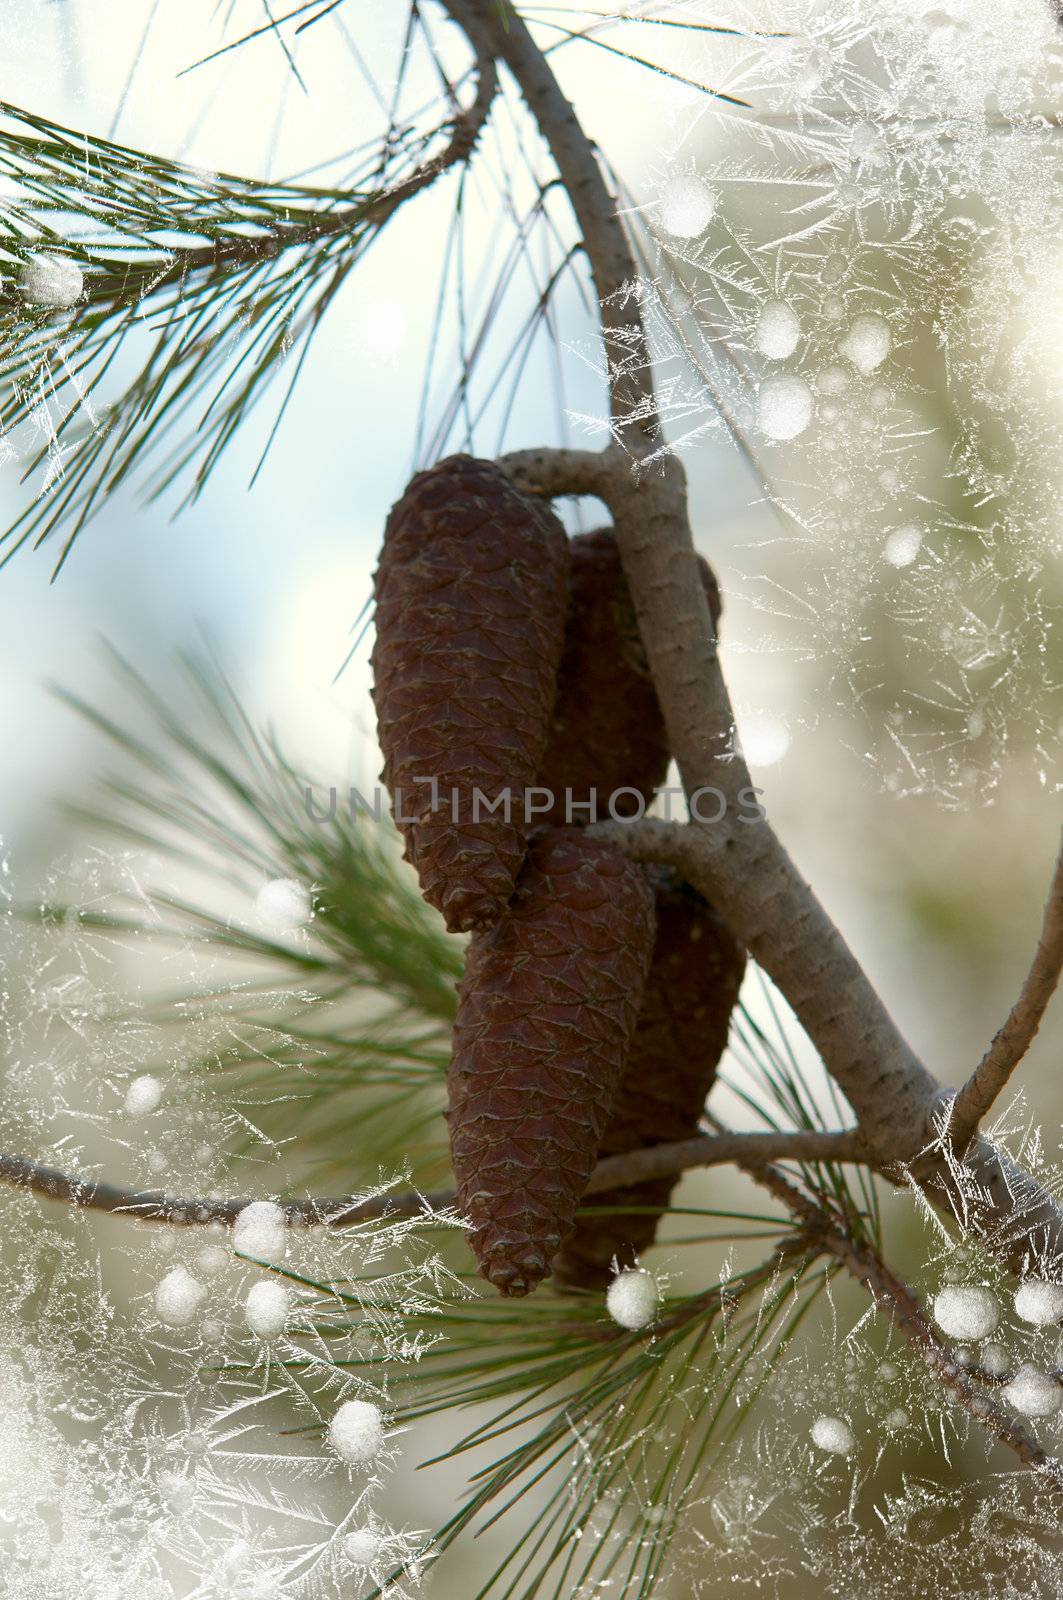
(182, 1416)
(872, 302)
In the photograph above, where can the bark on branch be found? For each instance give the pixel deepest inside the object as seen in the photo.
(897, 1301)
(636, 1166)
(990, 1077)
(743, 868)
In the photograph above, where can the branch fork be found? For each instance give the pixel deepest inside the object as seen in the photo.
(743, 869)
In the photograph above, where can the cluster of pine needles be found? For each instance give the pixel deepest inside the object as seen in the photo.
(595, 1439)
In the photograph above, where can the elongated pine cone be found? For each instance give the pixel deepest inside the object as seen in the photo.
(546, 1011)
(470, 606)
(607, 732)
(681, 1034)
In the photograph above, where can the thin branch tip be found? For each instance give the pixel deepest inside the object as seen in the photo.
(989, 1079)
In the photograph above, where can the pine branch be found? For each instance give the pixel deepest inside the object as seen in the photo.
(896, 1101)
(274, 259)
(634, 1167)
(90, 1194)
(897, 1301)
(989, 1079)
(895, 1298)
(590, 1410)
(718, 1149)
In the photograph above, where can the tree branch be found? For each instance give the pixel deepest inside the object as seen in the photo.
(495, 29)
(989, 1196)
(91, 1194)
(743, 868)
(563, 471)
(991, 1076)
(718, 1149)
(897, 1301)
(375, 210)
(636, 1166)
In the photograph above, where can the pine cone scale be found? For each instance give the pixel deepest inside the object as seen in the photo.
(540, 1039)
(607, 731)
(690, 993)
(470, 605)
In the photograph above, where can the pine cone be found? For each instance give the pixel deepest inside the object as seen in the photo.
(546, 1011)
(607, 732)
(470, 606)
(681, 1034)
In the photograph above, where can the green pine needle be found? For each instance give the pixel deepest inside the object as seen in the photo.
(223, 281)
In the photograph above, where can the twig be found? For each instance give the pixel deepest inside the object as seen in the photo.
(897, 1301)
(894, 1297)
(496, 29)
(637, 1166)
(992, 1073)
(150, 1205)
(373, 210)
(560, 471)
(716, 1149)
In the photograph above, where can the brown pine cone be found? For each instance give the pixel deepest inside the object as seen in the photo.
(546, 1011)
(681, 1034)
(470, 605)
(607, 732)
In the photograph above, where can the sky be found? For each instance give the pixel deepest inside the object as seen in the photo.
(275, 577)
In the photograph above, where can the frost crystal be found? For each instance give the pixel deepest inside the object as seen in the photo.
(1039, 1303)
(283, 904)
(178, 1491)
(784, 406)
(833, 1435)
(631, 1299)
(267, 1308)
(178, 1298)
(964, 1311)
(764, 740)
(1034, 1393)
(143, 1096)
(356, 1432)
(212, 1259)
(995, 1360)
(261, 1230)
(867, 343)
(49, 280)
(363, 1547)
(686, 207)
(903, 545)
(777, 331)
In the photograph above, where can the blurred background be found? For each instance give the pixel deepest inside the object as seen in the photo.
(931, 839)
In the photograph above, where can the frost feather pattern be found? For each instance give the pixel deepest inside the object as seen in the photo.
(471, 594)
(681, 1034)
(607, 732)
(546, 1012)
